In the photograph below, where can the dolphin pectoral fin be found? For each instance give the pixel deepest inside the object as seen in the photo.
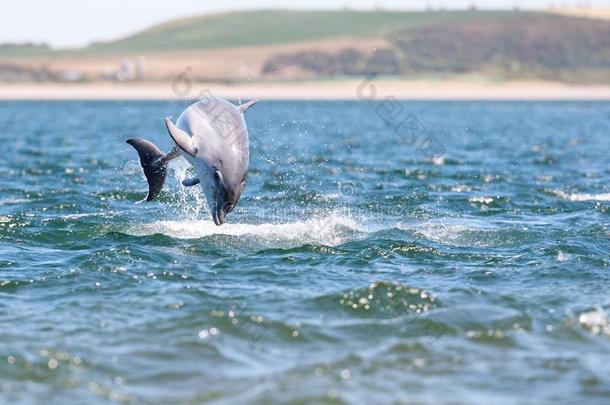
(245, 106)
(153, 164)
(182, 139)
(171, 155)
(191, 182)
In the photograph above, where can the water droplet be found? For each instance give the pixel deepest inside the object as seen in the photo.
(52, 364)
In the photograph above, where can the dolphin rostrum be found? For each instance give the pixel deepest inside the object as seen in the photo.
(212, 135)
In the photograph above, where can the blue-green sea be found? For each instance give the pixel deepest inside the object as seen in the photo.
(412, 252)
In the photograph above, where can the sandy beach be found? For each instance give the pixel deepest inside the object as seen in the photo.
(317, 90)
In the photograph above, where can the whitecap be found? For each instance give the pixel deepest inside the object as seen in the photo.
(105, 214)
(438, 160)
(14, 201)
(582, 196)
(328, 230)
(481, 200)
(597, 321)
(563, 257)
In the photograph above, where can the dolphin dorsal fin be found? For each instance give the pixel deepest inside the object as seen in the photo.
(182, 139)
(245, 106)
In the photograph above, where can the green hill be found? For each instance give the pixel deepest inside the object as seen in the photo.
(517, 46)
(281, 26)
(501, 45)
(25, 49)
(544, 46)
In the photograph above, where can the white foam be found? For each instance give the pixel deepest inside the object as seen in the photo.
(597, 321)
(582, 196)
(438, 160)
(563, 257)
(329, 230)
(106, 214)
(14, 201)
(481, 200)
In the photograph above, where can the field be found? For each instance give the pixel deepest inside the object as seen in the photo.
(279, 27)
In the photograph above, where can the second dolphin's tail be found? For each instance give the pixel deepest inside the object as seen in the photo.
(153, 163)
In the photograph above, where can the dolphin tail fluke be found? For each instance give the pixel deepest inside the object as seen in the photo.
(153, 163)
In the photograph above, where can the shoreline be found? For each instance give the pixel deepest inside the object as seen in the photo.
(315, 90)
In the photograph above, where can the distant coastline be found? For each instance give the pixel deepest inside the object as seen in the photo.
(503, 45)
(315, 90)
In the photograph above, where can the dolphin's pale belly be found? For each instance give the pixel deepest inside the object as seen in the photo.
(212, 136)
(218, 132)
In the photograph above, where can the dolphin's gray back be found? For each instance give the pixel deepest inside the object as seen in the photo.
(219, 133)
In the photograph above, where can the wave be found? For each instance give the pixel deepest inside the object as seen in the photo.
(14, 201)
(327, 230)
(597, 321)
(481, 200)
(462, 232)
(382, 299)
(579, 197)
(338, 228)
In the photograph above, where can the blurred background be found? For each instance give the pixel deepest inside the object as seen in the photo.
(234, 42)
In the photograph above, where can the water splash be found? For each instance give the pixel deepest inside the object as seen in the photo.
(328, 230)
(187, 202)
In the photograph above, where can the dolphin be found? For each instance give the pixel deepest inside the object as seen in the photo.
(213, 137)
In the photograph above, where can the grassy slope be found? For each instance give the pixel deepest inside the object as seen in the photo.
(279, 26)
(23, 50)
(435, 34)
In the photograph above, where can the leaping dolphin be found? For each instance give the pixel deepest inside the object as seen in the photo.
(212, 135)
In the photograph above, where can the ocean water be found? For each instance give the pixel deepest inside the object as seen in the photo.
(421, 252)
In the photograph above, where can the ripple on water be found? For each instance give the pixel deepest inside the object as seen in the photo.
(388, 300)
(462, 232)
(65, 369)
